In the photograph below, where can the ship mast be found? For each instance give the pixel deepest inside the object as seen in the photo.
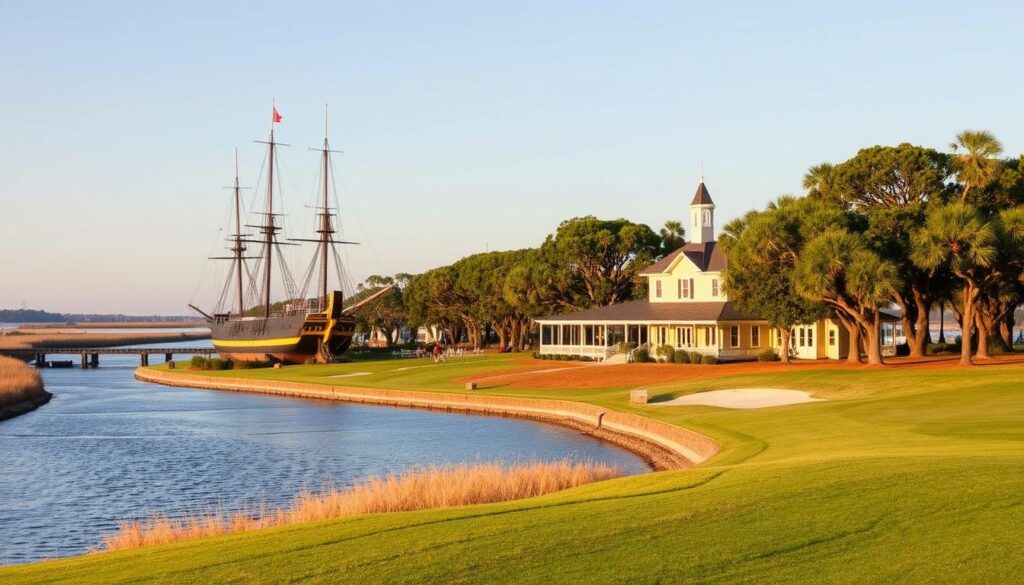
(325, 242)
(269, 228)
(238, 248)
(325, 220)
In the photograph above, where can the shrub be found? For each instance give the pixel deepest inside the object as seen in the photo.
(625, 346)
(249, 365)
(709, 359)
(902, 350)
(199, 363)
(219, 364)
(939, 348)
(666, 353)
(681, 357)
(767, 355)
(696, 357)
(641, 356)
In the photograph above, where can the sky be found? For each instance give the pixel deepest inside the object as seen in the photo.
(466, 126)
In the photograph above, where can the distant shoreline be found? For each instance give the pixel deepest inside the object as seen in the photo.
(45, 340)
(115, 325)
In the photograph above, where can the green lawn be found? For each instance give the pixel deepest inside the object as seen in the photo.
(901, 476)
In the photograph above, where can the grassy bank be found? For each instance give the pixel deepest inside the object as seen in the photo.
(73, 338)
(21, 388)
(902, 474)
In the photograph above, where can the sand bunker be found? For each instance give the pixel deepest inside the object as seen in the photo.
(352, 375)
(743, 398)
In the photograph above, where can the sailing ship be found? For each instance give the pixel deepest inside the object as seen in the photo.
(301, 329)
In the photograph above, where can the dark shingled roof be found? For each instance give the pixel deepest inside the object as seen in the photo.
(708, 257)
(702, 197)
(647, 311)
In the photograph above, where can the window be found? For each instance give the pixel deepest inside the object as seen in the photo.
(684, 336)
(802, 337)
(657, 288)
(778, 337)
(707, 217)
(588, 335)
(547, 334)
(832, 337)
(709, 337)
(755, 336)
(662, 335)
(686, 288)
(599, 335)
(734, 335)
(714, 287)
(810, 336)
(888, 334)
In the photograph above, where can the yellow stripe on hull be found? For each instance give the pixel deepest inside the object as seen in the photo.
(256, 342)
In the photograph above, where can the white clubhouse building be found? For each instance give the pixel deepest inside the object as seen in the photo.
(687, 309)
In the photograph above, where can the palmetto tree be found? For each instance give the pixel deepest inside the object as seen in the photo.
(818, 179)
(839, 269)
(975, 159)
(672, 236)
(957, 234)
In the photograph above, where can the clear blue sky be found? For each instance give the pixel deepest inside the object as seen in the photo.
(465, 125)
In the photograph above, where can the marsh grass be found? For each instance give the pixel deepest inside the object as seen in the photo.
(18, 382)
(435, 487)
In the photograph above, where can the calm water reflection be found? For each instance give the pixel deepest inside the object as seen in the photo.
(109, 448)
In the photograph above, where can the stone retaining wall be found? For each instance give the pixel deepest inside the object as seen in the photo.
(663, 445)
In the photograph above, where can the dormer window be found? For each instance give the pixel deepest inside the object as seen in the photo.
(657, 288)
(714, 287)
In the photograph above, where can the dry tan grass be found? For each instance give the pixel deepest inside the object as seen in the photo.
(18, 382)
(74, 338)
(435, 487)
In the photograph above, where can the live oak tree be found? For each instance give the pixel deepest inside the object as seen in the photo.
(387, 314)
(763, 248)
(600, 259)
(891, 187)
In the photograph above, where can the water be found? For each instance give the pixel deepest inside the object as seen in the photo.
(109, 448)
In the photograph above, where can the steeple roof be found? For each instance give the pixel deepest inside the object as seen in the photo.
(702, 197)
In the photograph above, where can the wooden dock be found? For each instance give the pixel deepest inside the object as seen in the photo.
(90, 356)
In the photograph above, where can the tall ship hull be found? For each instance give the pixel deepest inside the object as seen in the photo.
(287, 339)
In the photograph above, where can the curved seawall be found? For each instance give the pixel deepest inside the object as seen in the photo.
(663, 445)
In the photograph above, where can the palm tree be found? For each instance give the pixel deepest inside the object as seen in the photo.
(818, 180)
(958, 235)
(975, 159)
(839, 269)
(672, 236)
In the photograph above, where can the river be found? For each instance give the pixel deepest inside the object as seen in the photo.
(110, 448)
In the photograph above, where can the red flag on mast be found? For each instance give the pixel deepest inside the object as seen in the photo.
(276, 117)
